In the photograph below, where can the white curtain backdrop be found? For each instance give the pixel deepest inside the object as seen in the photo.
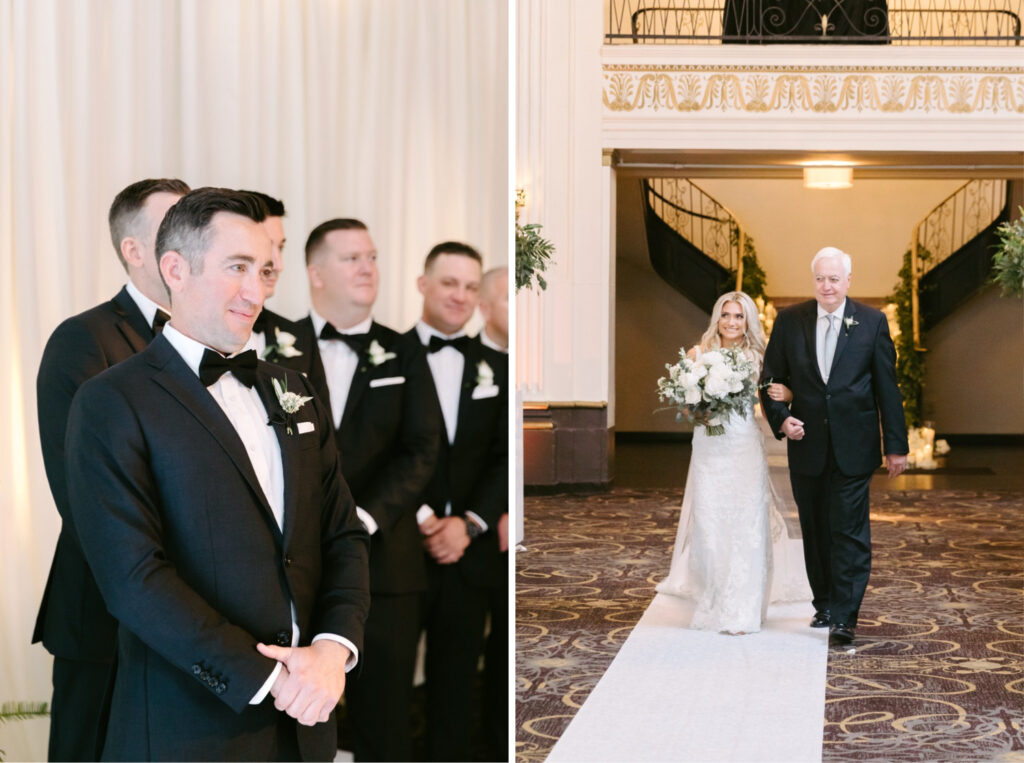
(392, 111)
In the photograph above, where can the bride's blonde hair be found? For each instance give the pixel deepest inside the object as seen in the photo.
(753, 341)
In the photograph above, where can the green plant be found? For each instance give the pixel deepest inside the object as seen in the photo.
(754, 277)
(20, 711)
(533, 255)
(1008, 261)
(909, 359)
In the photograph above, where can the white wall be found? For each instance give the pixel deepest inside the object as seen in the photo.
(872, 221)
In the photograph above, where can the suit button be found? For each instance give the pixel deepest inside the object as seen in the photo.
(284, 638)
(826, 421)
(828, 396)
(287, 561)
(221, 687)
(196, 670)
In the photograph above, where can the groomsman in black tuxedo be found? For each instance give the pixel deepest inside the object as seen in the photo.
(494, 309)
(467, 494)
(73, 622)
(206, 489)
(837, 357)
(388, 428)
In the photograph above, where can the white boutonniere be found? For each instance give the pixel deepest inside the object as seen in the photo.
(849, 322)
(290, 403)
(484, 375)
(284, 345)
(378, 354)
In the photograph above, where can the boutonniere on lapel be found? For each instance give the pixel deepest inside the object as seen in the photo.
(290, 403)
(283, 346)
(485, 386)
(377, 354)
(849, 322)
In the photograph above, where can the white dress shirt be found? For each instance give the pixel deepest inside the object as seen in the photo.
(446, 366)
(247, 414)
(821, 327)
(340, 364)
(146, 306)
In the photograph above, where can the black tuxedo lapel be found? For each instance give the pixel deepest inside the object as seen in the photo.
(809, 322)
(360, 379)
(132, 324)
(469, 374)
(178, 379)
(844, 334)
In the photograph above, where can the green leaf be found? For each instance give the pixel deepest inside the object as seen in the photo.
(1008, 261)
(533, 256)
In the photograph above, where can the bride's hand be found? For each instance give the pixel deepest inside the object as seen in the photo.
(779, 392)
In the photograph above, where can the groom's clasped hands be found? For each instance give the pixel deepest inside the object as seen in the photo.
(311, 680)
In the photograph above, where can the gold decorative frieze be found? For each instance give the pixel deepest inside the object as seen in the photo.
(819, 90)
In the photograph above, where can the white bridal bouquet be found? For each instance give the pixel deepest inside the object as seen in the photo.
(711, 388)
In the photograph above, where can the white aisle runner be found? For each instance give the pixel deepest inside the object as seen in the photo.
(673, 694)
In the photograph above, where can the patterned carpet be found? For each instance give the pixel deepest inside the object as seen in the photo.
(938, 673)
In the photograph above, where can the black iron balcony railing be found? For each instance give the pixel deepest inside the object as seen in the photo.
(919, 22)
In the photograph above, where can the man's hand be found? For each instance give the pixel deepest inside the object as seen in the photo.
(793, 428)
(503, 533)
(446, 539)
(895, 464)
(311, 682)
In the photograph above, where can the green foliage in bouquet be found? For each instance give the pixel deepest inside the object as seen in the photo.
(754, 277)
(1008, 261)
(909, 360)
(20, 711)
(533, 251)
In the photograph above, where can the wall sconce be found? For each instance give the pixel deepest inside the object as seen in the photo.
(828, 177)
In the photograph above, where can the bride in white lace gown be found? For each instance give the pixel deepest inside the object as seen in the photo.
(732, 554)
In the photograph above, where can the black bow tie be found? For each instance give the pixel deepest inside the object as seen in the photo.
(214, 365)
(260, 326)
(159, 320)
(358, 342)
(460, 343)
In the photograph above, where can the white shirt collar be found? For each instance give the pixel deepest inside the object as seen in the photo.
(319, 322)
(190, 350)
(425, 332)
(838, 312)
(146, 306)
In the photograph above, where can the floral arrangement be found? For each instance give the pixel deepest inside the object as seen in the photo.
(378, 354)
(711, 388)
(290, 403)
(1008, 261)
(283, 346)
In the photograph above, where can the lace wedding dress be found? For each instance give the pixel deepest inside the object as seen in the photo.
(732, 554)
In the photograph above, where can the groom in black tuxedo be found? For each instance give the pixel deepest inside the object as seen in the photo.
(467, 494)
(206, 490)
(838, 359)
(73, 622)
(387, 426)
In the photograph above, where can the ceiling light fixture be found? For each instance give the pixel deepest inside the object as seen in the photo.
(828, 177)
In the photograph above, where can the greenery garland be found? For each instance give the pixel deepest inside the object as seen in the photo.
(754, 277)
(20, 711)
(1008, 261)
(533, 252)
(909, 359)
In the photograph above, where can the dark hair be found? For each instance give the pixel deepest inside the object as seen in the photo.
(452, 247)
(319, 233)
(186, 226)
(124, 211)
(275, 207)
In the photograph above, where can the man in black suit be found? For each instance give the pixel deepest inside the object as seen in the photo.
(73, 622)
(206, 490)
(387, 426)
(467, 494)
(274, 337)
(494, 310)
(838, 359)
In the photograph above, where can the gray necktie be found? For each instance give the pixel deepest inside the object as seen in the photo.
(831, 336)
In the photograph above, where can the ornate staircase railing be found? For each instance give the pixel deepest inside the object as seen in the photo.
(953, 224)
(902, 22)
(699, 218)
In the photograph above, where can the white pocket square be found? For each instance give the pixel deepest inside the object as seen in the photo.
(306, 426)
(387, 381)
(481, 392)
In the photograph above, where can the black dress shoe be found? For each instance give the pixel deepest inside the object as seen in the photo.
(840, 634)
(820, 619)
